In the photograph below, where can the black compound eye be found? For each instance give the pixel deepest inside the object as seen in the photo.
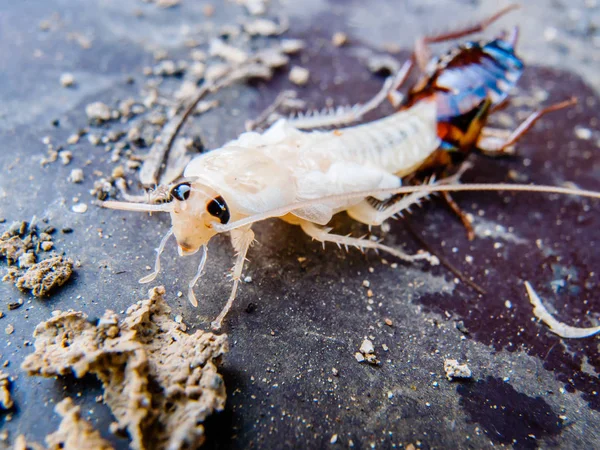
(181, 192)
(218, 208)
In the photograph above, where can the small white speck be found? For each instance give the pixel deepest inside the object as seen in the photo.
(367, 348)
(299, 75)
(550, 34)
(508, 304)
(583, 133)
(79, 208)
(67, 80)
(333, 439)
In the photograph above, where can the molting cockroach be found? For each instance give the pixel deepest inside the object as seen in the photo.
(257, 173)
(304, 178)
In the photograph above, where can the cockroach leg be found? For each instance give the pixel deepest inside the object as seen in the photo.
(494, 147)
(398, 204)
(241, 240)
(394, 96)
(159, 250)
(460, 213)
(345, 116)
(263, 118)
(191, 296)
(369, 214)
(323, 235)
(422, 53)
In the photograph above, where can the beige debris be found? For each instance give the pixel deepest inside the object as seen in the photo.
(455, 370)
(339, 39)
(262, 27)
(74, 432)
(6, 401)
(67, 80)
(299, 75)
(43, 277)
(79, 208)
(227, 52)
(98, 112)
(132, 358)
(76, 176)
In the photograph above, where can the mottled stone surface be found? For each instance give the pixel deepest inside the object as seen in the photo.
(308, 318)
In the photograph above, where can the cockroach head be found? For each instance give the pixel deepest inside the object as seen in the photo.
(195, 208)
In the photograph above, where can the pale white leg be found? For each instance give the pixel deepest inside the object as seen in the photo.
(241, 240)
(344, 116)
(159, 250)
(366, 213)
(191, 296)
(323, 235)
(369, 215)
(263, 118)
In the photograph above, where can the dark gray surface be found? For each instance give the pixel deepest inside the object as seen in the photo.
(311, 316)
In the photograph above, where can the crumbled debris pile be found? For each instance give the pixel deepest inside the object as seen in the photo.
(160, 383)
(6, 401)
(32, 265)
(74, 432)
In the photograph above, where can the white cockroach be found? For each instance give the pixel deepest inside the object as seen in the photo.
(304, 178)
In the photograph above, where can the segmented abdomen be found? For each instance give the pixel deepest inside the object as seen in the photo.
(464, 78)
(396, 143)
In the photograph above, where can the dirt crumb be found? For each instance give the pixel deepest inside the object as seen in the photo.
(43, 277)
(32, 265)
(299, 75)
(262, 27)
(339, 39)
(167, 3)
(98, 112)
(74, 432)
(6, 401)
(67, 80)
(76, 176)
(255, 7)
(367, 353)
(455, 370)
(159, 400)
(22, 444)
